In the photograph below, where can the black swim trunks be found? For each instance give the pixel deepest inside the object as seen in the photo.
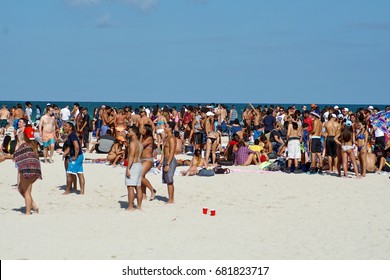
(316, 146)
(331, 147)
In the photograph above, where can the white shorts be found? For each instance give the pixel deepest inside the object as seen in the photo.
(160, 130)
(294, 149)
(135, 175)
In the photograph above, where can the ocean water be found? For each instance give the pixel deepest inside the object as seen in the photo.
(240, 107)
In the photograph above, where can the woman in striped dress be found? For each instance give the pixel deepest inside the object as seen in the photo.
(27, 161)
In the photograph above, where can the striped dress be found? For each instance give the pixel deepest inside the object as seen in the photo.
(27, 162)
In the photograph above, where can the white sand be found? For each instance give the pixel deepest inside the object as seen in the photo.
(259, 216)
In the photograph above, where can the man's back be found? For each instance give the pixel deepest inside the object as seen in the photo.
(105, 143)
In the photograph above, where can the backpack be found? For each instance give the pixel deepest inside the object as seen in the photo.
(220, 170)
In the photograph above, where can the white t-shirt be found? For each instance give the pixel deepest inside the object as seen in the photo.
(65, 114)
(28, 112)
(379, 133)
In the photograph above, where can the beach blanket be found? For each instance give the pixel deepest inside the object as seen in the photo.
(381, 120)
(95, 160)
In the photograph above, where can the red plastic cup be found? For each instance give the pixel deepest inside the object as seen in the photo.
(205, 210)
(212, 212)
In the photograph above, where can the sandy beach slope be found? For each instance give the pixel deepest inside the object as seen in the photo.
(259, 216)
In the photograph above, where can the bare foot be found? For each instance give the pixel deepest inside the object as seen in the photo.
(153, 195)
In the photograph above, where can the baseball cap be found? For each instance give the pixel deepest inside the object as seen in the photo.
(336, 107)
(370, 108)
(209, 114)
(348, 123)
(314, 113)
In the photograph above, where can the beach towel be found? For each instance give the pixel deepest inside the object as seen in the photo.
(381, 120)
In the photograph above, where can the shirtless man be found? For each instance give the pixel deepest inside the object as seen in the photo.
(107, 120)
(134, 169)
(4, 118)
(144, 119)
(316, 149)
(294, 146)
(168, 160)
(47, 130)
(18, 114)
(256, 117)
(135, 117)
(332, 127)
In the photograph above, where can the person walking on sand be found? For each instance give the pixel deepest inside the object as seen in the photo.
(168, 160)
(29, 167)
(134, 169)
(76, 159)
(47, 130)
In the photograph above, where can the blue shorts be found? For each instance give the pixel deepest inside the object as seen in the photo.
(76, 167)
(48, 143)
(16, 126)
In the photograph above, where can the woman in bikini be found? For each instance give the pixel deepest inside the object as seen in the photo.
(160, 122)
(197, 163)
(361, 139)
(120, 122)
(147, 159)
(117, 152)
(345, 138)
(212, 143)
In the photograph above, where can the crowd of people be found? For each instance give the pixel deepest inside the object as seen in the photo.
(311, 140)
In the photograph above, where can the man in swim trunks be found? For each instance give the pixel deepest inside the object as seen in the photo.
(168, 160)
(331, 128)
(75, 166)
(47, 130)
(316, 148)
(134, 168)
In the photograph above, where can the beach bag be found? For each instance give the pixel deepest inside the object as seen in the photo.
(221, 170)
(206, 172)
(225, 162)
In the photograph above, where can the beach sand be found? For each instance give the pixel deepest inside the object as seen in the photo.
(259, 215)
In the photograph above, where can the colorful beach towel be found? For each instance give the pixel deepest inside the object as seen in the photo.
(381, 120)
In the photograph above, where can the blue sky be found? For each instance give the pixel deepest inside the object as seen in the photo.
(284, 51)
